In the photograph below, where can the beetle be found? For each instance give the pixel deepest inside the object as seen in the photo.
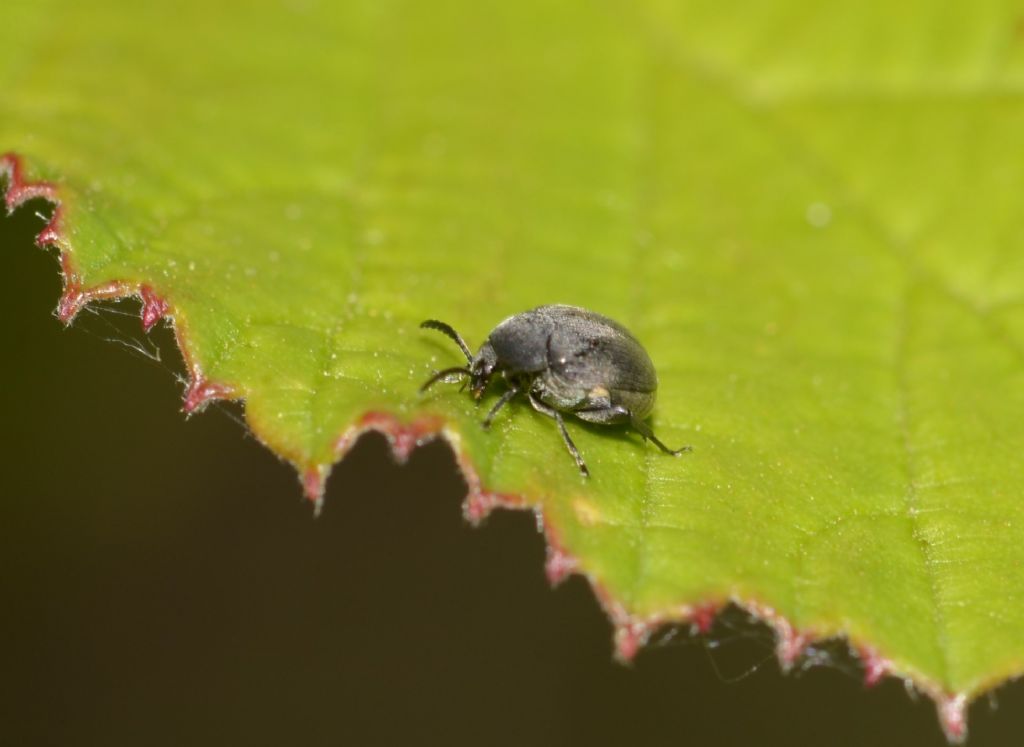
(563, 359)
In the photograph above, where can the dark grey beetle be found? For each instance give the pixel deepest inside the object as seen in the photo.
(563, 359)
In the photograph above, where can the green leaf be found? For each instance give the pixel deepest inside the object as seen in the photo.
(808, 214)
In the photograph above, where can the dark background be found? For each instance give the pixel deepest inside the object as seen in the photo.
(163, 583)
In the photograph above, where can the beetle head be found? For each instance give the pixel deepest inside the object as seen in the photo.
(481, 369)
(478, 368)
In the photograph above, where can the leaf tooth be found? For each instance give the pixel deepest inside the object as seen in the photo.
(19, 189)
(201, 391)
(403, 437)
(953, 716)
(559, 564)
(703, 616)
(72, 300)
(154, 307)
(876, 666)
(51, 233)
(76, 297)
(631, 634)
(314, 483)
(479, 504)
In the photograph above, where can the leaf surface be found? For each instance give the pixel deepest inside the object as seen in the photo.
(808, 214)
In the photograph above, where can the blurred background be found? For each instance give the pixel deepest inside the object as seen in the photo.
(164, 584)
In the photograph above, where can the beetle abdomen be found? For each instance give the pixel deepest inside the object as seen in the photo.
(597, 351)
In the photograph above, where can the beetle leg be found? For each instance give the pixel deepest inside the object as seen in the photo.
(645, 430)
(618, 414)
(438, 375)
(505, 398)
(553, 413)
(603, 414)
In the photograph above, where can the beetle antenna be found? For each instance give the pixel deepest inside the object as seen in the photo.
(456, 370)
(447, 330)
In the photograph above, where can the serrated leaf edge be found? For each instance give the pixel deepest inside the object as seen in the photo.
(632, 632)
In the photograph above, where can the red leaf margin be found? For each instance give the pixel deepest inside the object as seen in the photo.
(632, 632)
